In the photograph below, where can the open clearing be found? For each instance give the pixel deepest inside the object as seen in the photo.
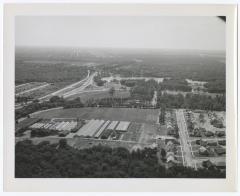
(99, 95)
(119, 114)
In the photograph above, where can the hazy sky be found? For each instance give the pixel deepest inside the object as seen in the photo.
(206, 33)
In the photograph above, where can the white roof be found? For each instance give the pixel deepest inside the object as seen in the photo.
(112, 125)
(102, 128)
(123, 126)
(90, 128)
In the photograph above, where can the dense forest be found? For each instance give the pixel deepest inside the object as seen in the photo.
(47, 160)
(192, 101)
(98, 80)
(144, 90)
(54, 102)
(36, 72)
(216, 86)
(175, 84)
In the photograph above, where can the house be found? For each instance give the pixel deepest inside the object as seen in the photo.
(170, 147)
(221, 165)
(207, 164)
(222, 142)
(212, 143)
(171, 161)
(220, 151)
(209, 133)
(203, 143)
(170, 154)
(220, 133)
(166, 138)
(203, 151)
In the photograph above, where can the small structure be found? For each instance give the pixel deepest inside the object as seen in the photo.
(220, 133)
(209, 134)
(123, 126)
(171, 161)
(222, 142)
(203, 151)
(221, 165)
(207, 164)
(220, 151)
(170, 147)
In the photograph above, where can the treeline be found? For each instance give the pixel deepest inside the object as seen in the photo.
(59, 160)
(30, 72)
(216, 86)
(53, 102)
(175, 85)
(97, 79)
(129, 83)
(22, 99)
(144, 90)
(192, 101)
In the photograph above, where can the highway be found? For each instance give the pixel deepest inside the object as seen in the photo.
(67, 88)
(32, 89)
(70, 88)
(87, 82)
(184, 139)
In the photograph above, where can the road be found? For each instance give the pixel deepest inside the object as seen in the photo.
(87, 82)
(154, 99)
(88, 79)
(32, 89)
(184, 139)
(67, 88)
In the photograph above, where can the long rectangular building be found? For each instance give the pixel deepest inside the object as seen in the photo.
(123, 126)
(90, 128)
(102, 129)
(112, 125)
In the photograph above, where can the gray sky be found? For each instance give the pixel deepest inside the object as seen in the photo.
(205, 33)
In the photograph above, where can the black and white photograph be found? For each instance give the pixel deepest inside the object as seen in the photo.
(120, 97)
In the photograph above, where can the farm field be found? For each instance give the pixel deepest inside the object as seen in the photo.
(119, 114)
(99, 95)
(149, 133)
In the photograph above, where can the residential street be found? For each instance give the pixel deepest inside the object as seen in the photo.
(183, 136)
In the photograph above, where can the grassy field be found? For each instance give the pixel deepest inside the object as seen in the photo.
(148, 133)
(99, 95)
(124, 114)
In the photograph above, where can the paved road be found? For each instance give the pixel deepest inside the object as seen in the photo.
(184, 141)
(32, 89)
(69, 87)
(80, 89)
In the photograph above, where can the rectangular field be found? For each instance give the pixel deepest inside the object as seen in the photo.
(99, 95)
(118, 114)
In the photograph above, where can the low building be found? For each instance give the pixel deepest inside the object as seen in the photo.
(220, 151)
(221, 165)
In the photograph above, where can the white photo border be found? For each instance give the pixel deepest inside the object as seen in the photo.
(112, 184)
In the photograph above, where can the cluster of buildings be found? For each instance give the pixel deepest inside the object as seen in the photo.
(196, 131)
(171, 152)
(211, 147)
(52, 125)
(96, 128)
(170, 122)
